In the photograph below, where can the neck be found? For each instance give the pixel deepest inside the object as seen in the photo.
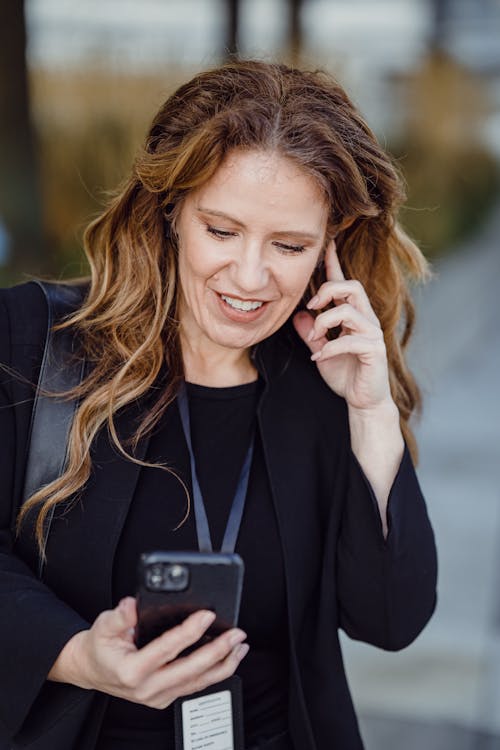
(214, 366)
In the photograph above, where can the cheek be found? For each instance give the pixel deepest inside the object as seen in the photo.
(202, 260)
(195, 263)
(294, 281)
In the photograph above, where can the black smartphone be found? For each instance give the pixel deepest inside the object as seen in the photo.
(173, 585)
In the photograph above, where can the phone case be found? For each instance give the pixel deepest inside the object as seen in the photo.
(214, 582)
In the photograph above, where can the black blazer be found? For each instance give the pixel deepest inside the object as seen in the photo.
(339, 570)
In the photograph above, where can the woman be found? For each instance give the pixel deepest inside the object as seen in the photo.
(254, 253)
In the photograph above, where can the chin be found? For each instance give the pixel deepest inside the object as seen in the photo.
(237, 341)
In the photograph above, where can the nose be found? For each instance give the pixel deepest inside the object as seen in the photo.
(249, 271)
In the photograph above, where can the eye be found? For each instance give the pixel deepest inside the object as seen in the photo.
(221, 234)
(289, 249)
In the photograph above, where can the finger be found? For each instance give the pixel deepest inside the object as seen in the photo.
(348, 290)
(170, 644)
(304, 324)
(221, 671)
(188, 669)
(333, 269)
(212, 653)
(355, 344)
(346, 316)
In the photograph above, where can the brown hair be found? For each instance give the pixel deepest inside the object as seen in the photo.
(128, 324)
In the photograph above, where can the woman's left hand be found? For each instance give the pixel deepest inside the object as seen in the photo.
(354, 365)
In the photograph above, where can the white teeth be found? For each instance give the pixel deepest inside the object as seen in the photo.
(240, 304)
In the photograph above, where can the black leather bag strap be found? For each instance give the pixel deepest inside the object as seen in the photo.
(52, 417)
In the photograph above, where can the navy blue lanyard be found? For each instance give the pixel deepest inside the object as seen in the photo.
(238, 505)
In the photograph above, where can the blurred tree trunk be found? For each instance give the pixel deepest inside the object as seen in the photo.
(439, 32)
(20, 200)
(295, 31)
(233, 22)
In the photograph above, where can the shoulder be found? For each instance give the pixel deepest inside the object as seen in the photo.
(23, 322)
(24, 308)
(28, 294)
(25, 314)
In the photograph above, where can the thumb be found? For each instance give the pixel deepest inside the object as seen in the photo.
(121, 620)
(303, 323)
(128, 611)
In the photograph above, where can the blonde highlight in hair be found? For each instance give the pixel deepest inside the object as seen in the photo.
(128, 324)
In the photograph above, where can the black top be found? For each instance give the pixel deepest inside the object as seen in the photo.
(222, 421)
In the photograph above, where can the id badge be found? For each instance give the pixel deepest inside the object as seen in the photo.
(211, 719)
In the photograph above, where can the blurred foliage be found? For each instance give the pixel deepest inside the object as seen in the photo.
(89, 126)
(452, 180)
(78, 168)
(450, 194)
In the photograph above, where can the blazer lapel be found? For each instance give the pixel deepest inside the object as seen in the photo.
(291, 458)
(291, 463)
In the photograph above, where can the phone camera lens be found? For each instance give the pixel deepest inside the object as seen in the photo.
(167, 577)
(176, 577)
(155, 577)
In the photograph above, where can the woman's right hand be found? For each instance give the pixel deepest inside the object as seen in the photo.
(105, 658)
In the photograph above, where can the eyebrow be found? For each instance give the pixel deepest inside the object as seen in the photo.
(288, 232)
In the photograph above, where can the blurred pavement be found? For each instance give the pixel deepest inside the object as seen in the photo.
(443, 693)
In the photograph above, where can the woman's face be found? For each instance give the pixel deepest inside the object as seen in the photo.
(249, 240)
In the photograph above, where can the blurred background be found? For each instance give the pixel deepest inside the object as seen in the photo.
(79, 83)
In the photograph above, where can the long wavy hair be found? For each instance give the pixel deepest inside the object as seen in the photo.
(128, 325)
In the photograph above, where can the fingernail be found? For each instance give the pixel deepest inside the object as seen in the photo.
(237, 637)
(313, 301)
(311, 334)
(315, 356)
(207, 619)
(242, 651)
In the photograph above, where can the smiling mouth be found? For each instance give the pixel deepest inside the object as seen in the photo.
(240, 304)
